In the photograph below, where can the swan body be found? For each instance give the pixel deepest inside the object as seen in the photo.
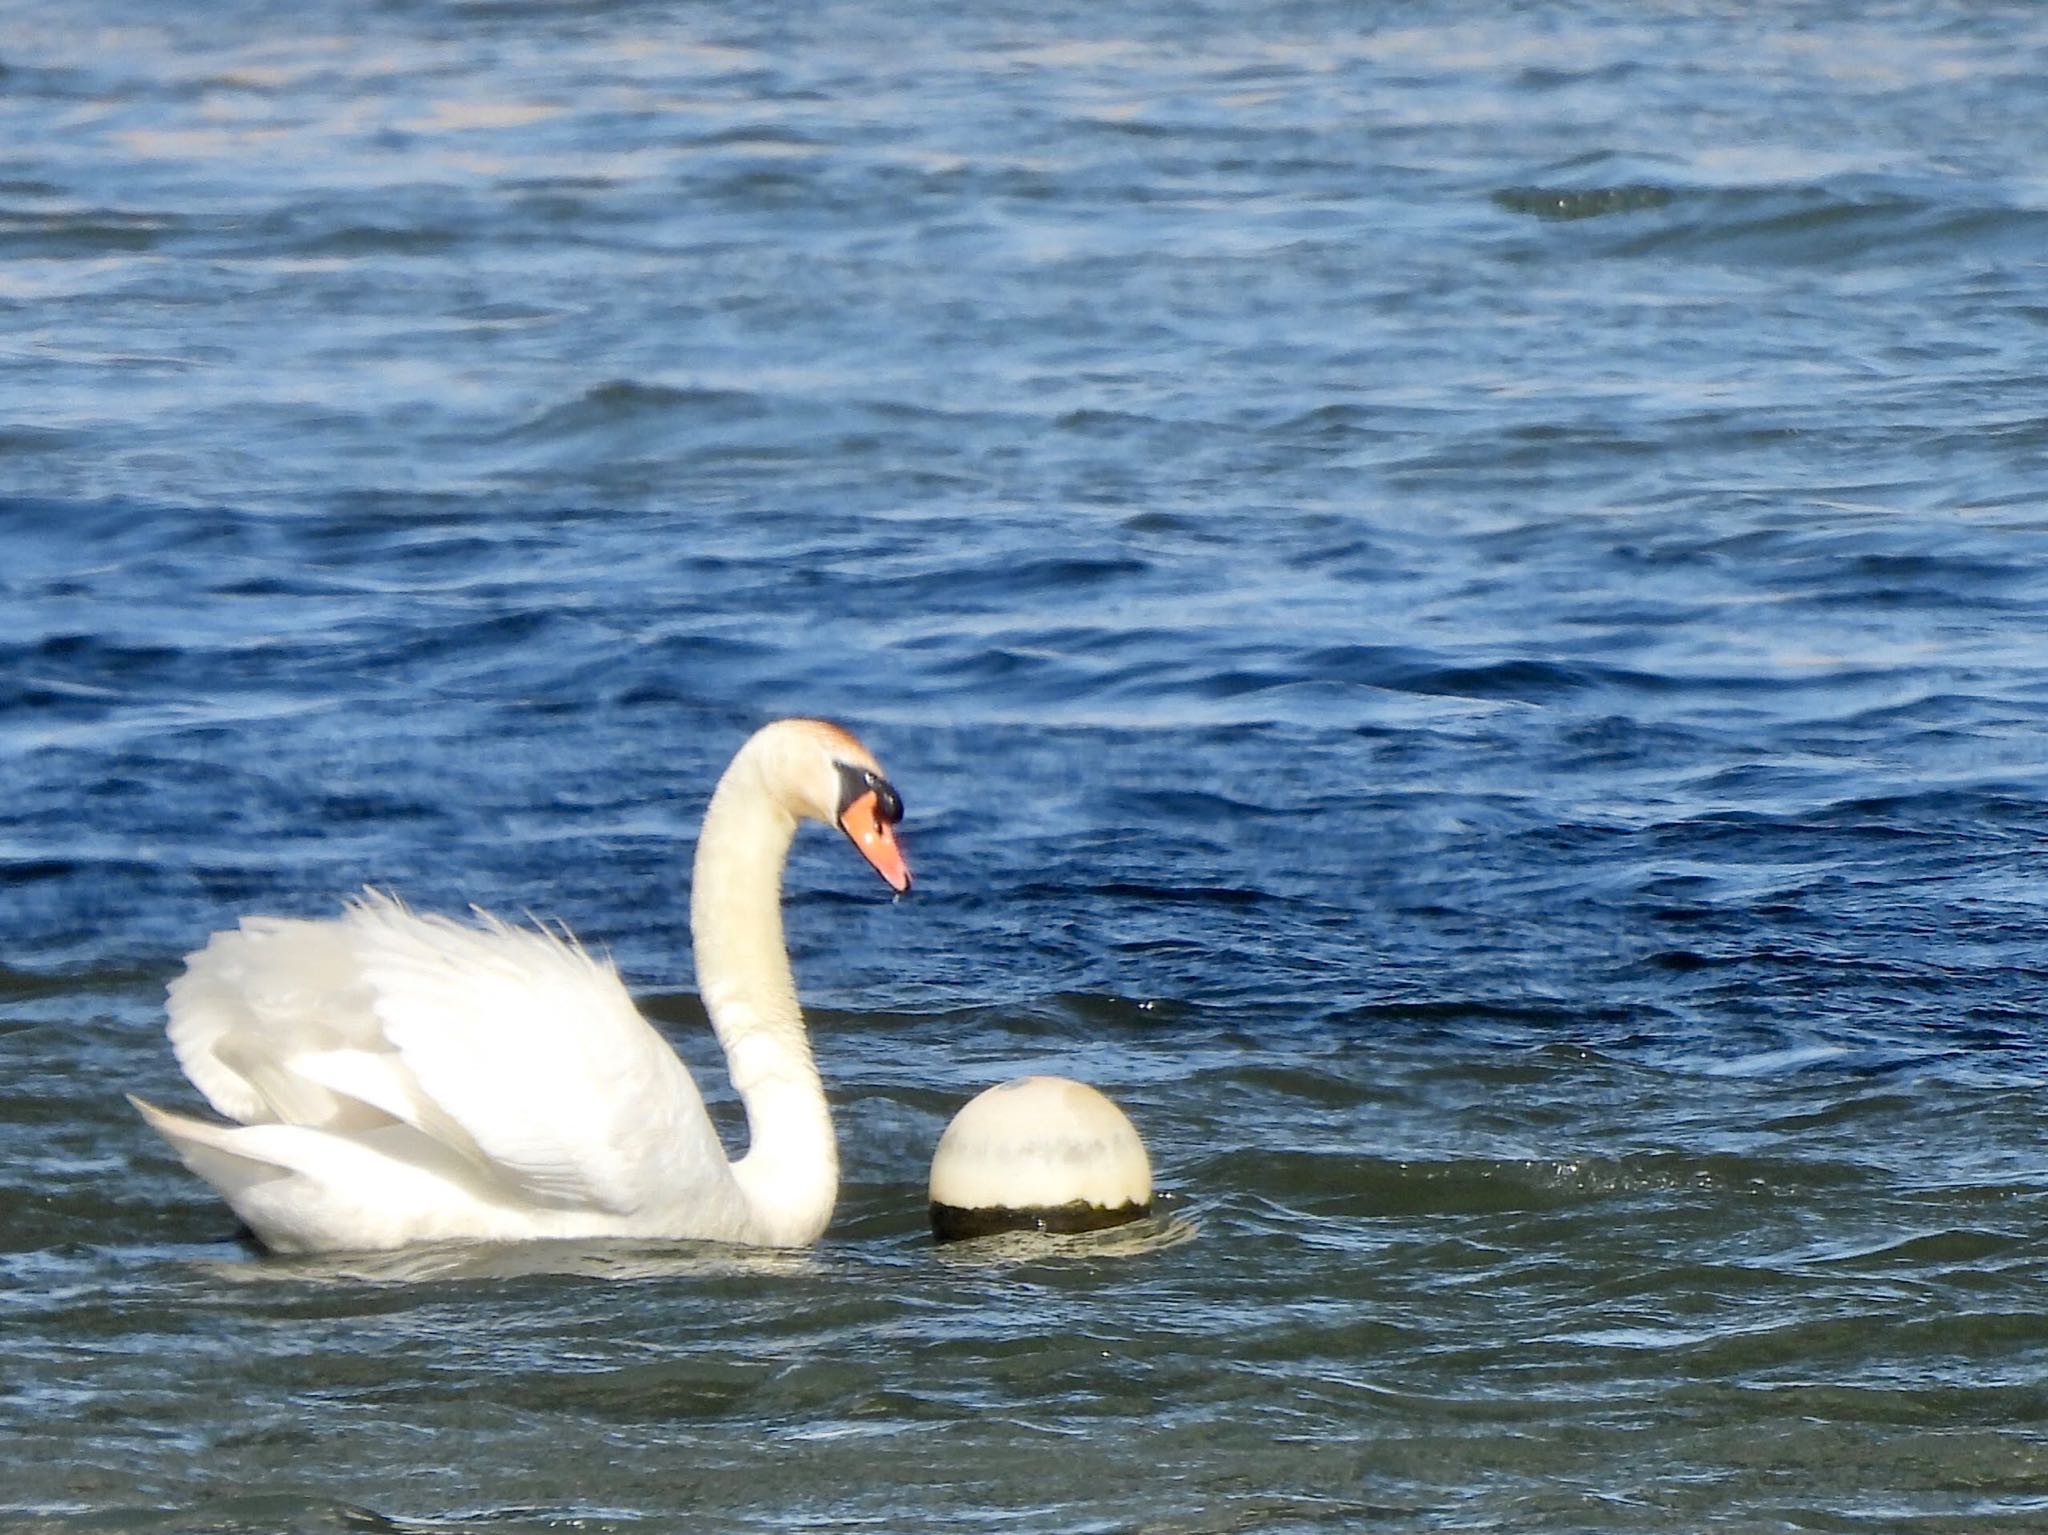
(391, 1078)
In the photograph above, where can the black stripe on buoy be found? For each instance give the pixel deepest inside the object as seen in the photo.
(956, 1223)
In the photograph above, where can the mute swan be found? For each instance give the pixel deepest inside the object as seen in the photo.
(398, 1079)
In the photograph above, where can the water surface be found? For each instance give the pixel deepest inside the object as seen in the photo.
(1456, 599)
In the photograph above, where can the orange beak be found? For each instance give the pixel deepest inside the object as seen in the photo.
(876, 840)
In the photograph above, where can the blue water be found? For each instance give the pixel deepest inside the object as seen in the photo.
(1457, 598)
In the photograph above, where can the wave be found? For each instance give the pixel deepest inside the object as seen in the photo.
(1858, 221)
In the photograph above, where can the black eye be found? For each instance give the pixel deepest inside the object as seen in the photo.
(888, 803)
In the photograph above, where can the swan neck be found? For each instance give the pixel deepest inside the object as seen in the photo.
(790, 1173)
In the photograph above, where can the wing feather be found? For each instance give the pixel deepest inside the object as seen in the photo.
(535, 1049)
(511, 1047)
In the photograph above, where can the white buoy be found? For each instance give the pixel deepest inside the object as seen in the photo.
(1039, 1153)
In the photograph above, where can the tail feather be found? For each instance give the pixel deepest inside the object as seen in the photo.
(213, 1151)
(294, 1186)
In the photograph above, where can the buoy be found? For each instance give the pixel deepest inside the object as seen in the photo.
(1039, 1153)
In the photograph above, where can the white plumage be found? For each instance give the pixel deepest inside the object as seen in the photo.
(392, 1078)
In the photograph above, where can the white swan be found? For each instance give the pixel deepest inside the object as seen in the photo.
(398, 1079)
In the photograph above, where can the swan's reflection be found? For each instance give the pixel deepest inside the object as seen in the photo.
(621, 1261)
(471, 1261)
(1149, 1234)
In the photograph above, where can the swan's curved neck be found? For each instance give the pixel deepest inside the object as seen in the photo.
(790, 1173)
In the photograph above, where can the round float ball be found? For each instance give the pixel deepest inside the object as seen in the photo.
(1038, 1154)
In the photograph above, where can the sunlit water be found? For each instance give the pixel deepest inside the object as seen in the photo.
(1460, 603)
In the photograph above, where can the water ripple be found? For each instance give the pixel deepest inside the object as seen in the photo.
(1456, 600)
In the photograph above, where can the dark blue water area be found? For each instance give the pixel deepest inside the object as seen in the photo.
(1755, 789)
(1458, 598)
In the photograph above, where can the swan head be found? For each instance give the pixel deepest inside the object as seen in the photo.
(824, 774)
